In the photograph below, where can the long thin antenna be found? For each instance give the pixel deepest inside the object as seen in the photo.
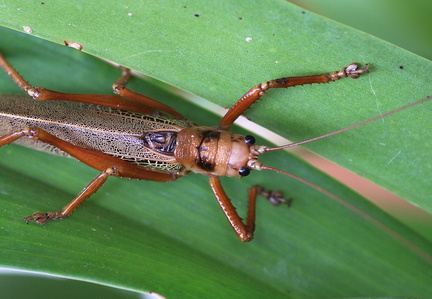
(269, 149)
(396, 236)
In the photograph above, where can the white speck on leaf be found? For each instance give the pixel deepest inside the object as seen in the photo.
(151, 51)
(27, 29)
(394, 157)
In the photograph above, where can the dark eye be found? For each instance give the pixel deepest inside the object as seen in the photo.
(244, 171)
(249, 139)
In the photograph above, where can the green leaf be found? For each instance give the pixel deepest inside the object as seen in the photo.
(173, 239)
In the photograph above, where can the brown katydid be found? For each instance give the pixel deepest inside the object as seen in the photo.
(133, 136)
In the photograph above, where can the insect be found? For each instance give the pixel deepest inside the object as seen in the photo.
(133, 136)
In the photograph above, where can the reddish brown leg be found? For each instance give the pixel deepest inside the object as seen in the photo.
(120, 89)
(94, 159)
(91, 188)
(137, 104)
(108, 165)
(246, 230)
(256, 92)
(113, 101)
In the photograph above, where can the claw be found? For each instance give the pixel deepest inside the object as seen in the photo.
(41, 218)
(351, 71)
(275, 197)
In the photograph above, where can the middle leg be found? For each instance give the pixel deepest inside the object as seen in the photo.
(128, 100)
(120, 88)
(107, 164)
(91, 188)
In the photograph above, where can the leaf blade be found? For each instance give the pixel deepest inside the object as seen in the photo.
(288, 267)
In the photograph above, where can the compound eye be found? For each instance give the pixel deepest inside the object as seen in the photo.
(249, 139)
(244, 171)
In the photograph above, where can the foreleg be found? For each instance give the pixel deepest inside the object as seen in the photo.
(244, 230)
(256, 92)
